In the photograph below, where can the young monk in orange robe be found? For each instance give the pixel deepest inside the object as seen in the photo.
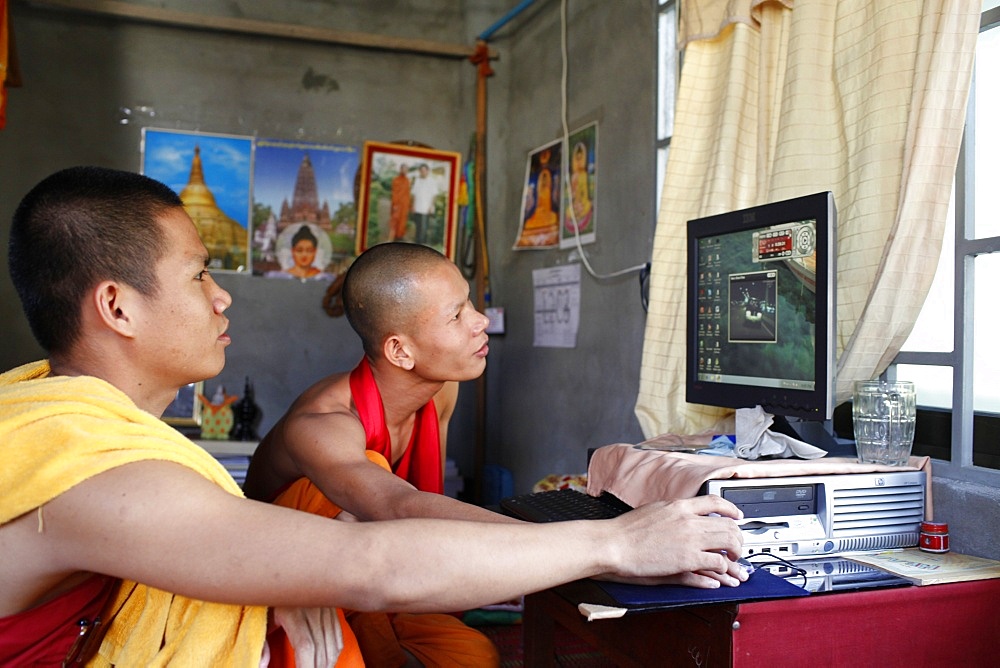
(421, 334)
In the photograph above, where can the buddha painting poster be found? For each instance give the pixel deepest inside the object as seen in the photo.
(211, 173)
(580, 197)
(541, 200)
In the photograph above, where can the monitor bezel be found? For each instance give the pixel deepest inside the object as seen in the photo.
(816, 404)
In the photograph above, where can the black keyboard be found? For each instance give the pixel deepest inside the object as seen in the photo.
(563, 504)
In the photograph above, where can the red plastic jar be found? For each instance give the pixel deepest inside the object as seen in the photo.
(934, 536)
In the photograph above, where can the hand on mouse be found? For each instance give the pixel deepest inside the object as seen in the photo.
(694, 536)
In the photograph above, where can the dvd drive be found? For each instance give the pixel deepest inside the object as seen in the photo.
(770, 501)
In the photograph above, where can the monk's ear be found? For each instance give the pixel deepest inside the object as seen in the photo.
(396, 349)
(113, 304)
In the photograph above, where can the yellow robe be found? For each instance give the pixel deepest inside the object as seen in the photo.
(56, 432)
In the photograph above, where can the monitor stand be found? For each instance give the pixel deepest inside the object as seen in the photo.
(814, 432)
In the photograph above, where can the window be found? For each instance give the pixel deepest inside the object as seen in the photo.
(952, 353)
(666, 87)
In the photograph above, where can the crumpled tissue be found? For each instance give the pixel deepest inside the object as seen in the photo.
(754, 440)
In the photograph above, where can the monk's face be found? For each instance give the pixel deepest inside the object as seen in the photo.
(183, 327)
(448, 335)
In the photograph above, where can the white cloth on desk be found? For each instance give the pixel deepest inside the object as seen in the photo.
(754, 440)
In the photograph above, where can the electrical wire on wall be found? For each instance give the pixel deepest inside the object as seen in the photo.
(642, 269)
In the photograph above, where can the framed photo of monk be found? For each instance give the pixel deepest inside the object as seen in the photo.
(408, 193)
(185, 409)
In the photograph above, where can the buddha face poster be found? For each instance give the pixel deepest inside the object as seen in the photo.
(212, 174)
(304, 214)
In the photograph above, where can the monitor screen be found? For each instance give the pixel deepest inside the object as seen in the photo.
(761, 305)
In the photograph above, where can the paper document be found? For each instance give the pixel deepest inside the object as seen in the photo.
(926, 568)
(557, 306)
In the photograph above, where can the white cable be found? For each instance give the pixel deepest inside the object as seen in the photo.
(568, 202)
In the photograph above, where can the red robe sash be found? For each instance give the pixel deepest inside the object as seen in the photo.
(420, 464)
(45, 634)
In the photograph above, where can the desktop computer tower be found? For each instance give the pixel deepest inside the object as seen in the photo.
(805, 517)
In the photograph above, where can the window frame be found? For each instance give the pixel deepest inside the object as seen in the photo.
(662, 140)
(959, 426)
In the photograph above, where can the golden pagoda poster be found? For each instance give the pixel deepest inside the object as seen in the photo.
(212, 175)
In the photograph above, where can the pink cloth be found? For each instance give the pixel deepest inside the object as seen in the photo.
(638, 477)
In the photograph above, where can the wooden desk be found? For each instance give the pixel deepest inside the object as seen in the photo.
(938, 625)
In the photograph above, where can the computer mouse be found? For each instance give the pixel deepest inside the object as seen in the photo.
(746, 564)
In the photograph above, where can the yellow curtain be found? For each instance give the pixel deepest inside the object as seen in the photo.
(864, 98)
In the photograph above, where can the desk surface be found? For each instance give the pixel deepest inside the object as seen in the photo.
(947, 624)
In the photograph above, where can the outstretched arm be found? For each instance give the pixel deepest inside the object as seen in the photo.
(164, 525)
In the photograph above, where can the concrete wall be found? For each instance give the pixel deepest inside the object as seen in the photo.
(544, 406)
(549, 405)
(81, 71)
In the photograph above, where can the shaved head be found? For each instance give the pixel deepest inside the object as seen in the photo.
(76, 228)
(381, 289)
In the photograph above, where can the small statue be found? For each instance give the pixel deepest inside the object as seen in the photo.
(248, 416)
(217, 418)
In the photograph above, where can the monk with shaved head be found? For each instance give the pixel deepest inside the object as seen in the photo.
(371, 441)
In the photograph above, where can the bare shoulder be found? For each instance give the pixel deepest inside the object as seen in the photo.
(326, 403)
(321, 420)
(328, 395)
(283, 454)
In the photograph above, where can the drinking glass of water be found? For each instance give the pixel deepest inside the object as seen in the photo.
(885, 414)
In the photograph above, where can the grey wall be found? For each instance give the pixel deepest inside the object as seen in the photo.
(80, 71)
(544, 407)
(549, 405)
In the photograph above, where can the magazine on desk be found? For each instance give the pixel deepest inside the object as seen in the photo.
(927, 568)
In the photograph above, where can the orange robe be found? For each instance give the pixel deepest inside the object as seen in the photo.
(399, 211)
(384, 638)
(434, 639)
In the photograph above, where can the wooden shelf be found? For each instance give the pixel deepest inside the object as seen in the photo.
(228, 448)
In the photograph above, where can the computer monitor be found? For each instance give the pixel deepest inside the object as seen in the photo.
(761, 313)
